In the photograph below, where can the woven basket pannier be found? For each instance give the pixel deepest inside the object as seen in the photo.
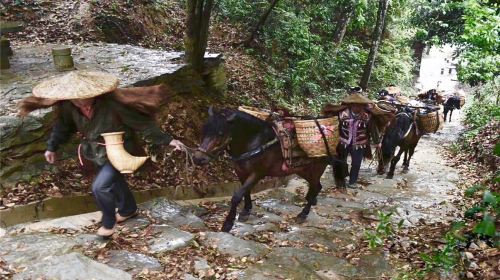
(430, 122)
(256, 112)
(310, 139)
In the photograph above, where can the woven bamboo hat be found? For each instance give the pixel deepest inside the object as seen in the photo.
(356, 98)
(79, 84)
(403, 99)
(393, 90)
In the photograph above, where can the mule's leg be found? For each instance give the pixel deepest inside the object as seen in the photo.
(451, 113)
(445, 113)
(340, 168)
(245, 213)
(313, 200)
(406, 168)
(380, 167)
(313, 178)
(394, 161)
(405, 161)
(236, 199)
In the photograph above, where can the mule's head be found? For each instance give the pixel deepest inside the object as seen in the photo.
(216, 135)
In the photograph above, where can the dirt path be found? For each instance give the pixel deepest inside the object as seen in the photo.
(330, 245)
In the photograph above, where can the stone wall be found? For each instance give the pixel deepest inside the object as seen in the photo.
(22, 141)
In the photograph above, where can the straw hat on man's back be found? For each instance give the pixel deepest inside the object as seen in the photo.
(79, 84)
(356, 97)
(393, 90)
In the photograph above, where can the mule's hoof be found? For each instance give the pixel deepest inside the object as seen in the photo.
(389, 176)
(243, 217)
(314, 202)
(226, 228)
(405, 170)
(300, 219)
(380, 172)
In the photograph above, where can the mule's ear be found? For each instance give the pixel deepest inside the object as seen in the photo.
(210, 111)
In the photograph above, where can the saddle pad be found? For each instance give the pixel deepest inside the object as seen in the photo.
(292, 153)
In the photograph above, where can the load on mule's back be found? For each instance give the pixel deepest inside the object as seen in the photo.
(278, 146)
(431, 96)
(452, 102)
(406, 129)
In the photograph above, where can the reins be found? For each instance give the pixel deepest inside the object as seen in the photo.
(216, 152)
(257, 151)
(189, 162)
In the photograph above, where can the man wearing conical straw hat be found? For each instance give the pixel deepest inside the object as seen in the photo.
(357, 128)
(90, 103)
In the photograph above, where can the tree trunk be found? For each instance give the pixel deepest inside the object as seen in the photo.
(195, 40)
(376, 39)
(342, 24)
(418, 52)
(260, 23)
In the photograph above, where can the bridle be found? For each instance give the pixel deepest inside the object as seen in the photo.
(217, 151)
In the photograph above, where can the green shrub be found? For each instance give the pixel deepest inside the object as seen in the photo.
(483, 108)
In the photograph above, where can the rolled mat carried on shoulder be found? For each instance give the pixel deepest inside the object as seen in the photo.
(262, 114)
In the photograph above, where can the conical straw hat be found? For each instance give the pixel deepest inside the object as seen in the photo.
(356, 98)
(393, 90)
(403, 99)
(76, 85)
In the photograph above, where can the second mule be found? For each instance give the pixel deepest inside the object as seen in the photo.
(402, 132)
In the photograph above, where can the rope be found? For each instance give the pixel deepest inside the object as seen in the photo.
(98, 143)
(188, 163)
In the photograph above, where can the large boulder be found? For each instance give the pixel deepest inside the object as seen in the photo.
(71, 266)
(24, 250)
(299, 264)
(168, 238)
(234, 246)
(132, 263)
(171, 213)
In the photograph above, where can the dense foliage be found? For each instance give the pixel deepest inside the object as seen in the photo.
(480, 57)
(304, 66)
(471, 25)
(483, 108)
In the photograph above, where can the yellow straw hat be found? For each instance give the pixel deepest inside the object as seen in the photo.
(403, 99)
(393, 90)
(356, 98)
(79, 84)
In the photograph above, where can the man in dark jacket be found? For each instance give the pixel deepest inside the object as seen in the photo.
(85, 105)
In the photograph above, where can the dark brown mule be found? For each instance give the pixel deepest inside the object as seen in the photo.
(452, 103)
(256, 153)
(402, 132)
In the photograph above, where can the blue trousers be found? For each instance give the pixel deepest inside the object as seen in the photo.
(111, 191)
(356, 159)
